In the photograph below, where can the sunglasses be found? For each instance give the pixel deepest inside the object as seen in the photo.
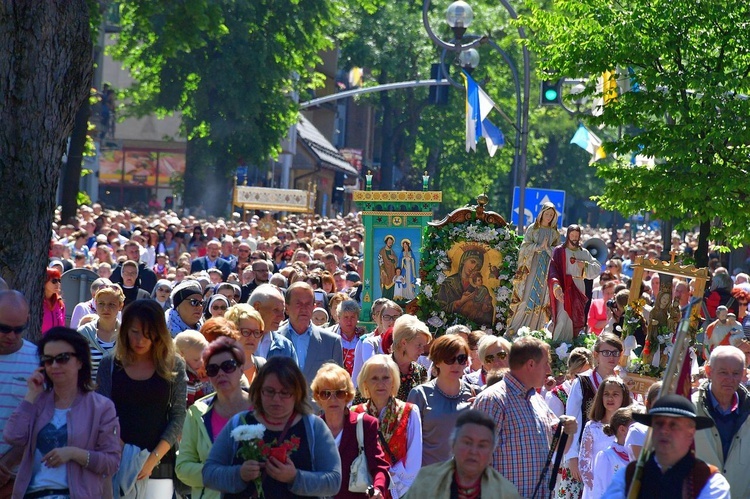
(6, 329)
(228, 366)
(250, 332)
(327, 394)
(502, 354)
(461, 359)
(61, 358)
(219, 307)
(55, 281)
(164, 290)
(609, 353)
(196, 302)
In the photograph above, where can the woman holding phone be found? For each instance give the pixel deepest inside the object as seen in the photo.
(70, 434)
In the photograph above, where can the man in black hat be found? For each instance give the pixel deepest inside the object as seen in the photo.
(672, 467)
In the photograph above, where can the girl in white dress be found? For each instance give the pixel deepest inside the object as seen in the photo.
(615, 456)
(611, 396)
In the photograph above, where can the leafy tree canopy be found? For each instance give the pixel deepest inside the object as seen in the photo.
(682, 67)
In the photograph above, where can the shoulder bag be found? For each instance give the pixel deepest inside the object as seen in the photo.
(359, 474)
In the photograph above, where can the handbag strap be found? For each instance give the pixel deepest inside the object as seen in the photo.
(360, 431)
(387, 448)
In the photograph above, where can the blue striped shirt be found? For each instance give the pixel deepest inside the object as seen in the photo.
(15, 370)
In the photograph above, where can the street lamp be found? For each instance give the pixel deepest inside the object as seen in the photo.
(469, 59)
(459, 16)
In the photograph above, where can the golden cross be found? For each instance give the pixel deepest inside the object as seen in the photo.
(673, 253)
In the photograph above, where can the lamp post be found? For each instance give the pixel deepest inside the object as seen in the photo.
(459, 16)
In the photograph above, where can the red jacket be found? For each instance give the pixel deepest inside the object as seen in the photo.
(348, 450)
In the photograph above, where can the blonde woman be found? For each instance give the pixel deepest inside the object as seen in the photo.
(101, 333)
(400, 423)
(332, 390)
(144, 362)
(250, 325)
(410, 336)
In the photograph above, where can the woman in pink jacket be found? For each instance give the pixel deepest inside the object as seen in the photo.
(54, 308)
(71, 434)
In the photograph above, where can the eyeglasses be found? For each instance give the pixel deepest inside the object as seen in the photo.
(387, 317)
(609, 353)
(327, 394)
(164, 290)
(255, 333)
(461, 359)
(55, 281)
(271, 393)
(196, 302)
(228, 366)
(264, 269)
(6, 329)
(502, 354)
(61, 358)
(219, 307)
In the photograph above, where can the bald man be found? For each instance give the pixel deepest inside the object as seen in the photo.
(18, 360)
(726, 401)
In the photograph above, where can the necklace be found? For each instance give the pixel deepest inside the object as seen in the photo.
(441, 392)
(468, 492)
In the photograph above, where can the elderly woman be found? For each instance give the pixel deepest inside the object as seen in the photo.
(70, 434)
(101, 333)
(469, 473)
(493, 351)
(400, 424)
(384, 314)
(250, 325)
(206, 418)
(410, 336)
(280, 400)
(187, 307)
(144, 362)
(442, 399)
(333, 390)
(348, 315)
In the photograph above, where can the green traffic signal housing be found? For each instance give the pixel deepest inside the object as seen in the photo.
(550, 94)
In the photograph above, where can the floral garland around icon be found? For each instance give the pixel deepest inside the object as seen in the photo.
(435, 263)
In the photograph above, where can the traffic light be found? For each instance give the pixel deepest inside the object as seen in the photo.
(438, 94)
(550, 94)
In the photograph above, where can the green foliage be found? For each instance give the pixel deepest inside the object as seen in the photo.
(691, 62)
(83, 199)
(228, 67)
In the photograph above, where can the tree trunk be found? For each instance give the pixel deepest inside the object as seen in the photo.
(701, 252)
(72, 171)
(45, 75)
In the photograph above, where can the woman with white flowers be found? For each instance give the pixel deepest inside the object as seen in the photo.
(223, 358)
(303, 461)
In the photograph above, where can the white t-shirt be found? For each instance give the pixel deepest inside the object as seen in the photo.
(52, 436)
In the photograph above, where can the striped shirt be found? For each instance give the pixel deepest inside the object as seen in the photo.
(15, 370)
(525, 426)
(97, 354)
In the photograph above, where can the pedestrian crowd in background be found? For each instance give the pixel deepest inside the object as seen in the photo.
(202, 336)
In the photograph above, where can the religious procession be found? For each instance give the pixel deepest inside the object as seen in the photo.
(332, 357)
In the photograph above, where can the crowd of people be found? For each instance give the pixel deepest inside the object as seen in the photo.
(223, 359)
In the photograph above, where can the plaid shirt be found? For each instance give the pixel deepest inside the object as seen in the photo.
(525, 426)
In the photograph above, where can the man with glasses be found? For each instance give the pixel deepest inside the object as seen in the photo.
(261, 272)
(18, 361)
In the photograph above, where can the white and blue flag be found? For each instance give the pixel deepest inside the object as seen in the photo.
(478, 106)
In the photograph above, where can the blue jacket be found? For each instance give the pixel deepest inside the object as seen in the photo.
(281, 346)
(324, 481)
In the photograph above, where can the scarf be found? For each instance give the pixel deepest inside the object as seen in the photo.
(176, 325)
(394, 411)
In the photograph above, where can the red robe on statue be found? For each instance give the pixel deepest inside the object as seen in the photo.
(574, 300)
